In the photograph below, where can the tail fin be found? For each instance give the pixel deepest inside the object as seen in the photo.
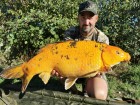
(15, 72)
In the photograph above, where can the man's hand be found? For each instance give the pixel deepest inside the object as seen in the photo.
(55, 73)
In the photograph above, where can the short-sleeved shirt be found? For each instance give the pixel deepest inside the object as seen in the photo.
(73, 33)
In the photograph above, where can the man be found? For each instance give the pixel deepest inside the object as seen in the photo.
(88, 16)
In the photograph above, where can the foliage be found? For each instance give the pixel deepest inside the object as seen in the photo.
(120, 21)
(126, 83)
(27, 25)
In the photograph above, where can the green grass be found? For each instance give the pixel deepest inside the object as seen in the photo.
(125, 82)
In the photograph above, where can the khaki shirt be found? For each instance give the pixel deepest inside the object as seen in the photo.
(73, 33)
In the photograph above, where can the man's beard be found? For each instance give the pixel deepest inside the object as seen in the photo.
(86, 29)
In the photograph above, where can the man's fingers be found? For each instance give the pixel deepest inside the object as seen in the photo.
(56, 73)
(53, 72)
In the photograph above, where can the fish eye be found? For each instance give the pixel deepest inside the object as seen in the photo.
(117, 52)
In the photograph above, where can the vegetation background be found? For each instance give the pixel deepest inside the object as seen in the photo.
(27, 25)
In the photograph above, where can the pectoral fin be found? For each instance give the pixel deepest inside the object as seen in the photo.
(45, 76)
(69, 82)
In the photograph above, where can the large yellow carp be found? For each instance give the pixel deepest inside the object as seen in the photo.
(71, 59)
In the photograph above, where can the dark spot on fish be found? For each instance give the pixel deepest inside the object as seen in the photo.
(38, 65)
(104, 46)
(73, 44)
(56, 52)
(40, 59)
(67, 57)
(96, 45)
(26, 69)
(117, 52)
(54, 47)
(61, 56)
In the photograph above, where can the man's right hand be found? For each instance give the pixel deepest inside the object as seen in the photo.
(55, 73)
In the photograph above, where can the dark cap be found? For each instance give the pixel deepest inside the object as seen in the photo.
(88, 6)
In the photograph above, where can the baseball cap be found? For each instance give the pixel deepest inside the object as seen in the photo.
(88, 6)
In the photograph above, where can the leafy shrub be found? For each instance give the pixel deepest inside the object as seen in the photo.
(31, 25)
(120, 21)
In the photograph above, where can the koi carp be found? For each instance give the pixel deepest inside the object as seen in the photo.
(71, 59)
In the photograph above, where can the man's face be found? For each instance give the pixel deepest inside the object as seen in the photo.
(87, 21)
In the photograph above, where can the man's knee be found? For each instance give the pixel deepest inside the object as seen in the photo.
(97, 87)
(100, 95)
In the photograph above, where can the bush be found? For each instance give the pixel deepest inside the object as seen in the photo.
(31, 25)
(120, 21)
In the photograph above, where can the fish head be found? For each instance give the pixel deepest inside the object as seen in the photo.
(112, 55)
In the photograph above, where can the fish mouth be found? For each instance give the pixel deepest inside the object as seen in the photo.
(126, 60)
(128, 57)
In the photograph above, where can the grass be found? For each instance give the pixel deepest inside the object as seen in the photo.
(125, 82)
